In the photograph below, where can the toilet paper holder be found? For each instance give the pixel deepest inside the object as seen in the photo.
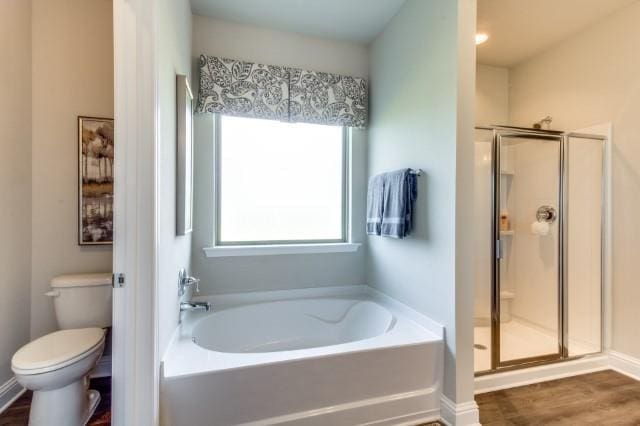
(546, 214)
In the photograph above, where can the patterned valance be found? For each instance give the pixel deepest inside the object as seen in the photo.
(247, 89)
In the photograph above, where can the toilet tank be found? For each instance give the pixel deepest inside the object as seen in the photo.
(82, 300)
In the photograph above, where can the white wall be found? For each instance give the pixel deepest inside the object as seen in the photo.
(15, 179)
(492, 95)
(591, 78)
(421, 80)
(72, 76)
(223, 275)
(174, 252)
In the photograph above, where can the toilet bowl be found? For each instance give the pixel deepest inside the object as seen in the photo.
(56, 366)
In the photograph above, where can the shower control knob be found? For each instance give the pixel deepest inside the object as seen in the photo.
(546, 214)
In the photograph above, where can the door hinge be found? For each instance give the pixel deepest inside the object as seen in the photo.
(117, 280)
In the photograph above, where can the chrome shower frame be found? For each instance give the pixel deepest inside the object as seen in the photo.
(499, 132)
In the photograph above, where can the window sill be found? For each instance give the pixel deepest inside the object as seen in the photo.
(279, 249)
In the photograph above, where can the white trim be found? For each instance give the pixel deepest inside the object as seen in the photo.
(462, 414)
(543, 373)
(9, 392)
(103, 367)
(135, 366)
(277, 249)
(625, 364)
(616, 361)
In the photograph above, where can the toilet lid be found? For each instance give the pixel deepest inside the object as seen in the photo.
(56, 350)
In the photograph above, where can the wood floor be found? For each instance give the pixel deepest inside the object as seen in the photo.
(602, 398)
(18, 413)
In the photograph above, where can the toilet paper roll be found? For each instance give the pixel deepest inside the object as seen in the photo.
(540, 228)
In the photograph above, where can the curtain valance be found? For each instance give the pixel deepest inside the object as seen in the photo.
(247, 89)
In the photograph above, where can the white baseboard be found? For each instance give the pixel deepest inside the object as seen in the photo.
(9, 392)
(463, 414)
(625, 364)
(622, 363)
(543, 373)
(103, 368)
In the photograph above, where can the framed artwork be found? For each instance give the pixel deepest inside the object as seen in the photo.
(95, 180)
(184, 167)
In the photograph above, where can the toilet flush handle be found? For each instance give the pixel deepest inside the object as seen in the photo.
(52, 293)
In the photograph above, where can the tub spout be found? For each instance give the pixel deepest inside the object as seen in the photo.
(195, 306)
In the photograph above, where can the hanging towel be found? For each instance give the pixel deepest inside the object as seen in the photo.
(375, 200)
(400, 194)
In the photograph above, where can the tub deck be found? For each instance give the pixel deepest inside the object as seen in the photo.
(395, 375)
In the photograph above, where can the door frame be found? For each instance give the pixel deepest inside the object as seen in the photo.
(135, 369)
(604, 133)
(496, 362)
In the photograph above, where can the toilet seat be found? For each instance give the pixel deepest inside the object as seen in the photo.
(56, 350)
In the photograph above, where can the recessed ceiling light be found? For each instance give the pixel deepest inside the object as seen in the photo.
(481, 38)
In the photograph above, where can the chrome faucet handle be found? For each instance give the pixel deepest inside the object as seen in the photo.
(189, 281)
(185, 281)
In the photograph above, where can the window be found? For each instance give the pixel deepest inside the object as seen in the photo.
(280, 183)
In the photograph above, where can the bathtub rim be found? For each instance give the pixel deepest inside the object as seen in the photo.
(399, 310)
(238, 299)
(354, 301)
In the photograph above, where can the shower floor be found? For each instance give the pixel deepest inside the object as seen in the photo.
(519, 340)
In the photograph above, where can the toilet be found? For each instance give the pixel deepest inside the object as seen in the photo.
(56, 366)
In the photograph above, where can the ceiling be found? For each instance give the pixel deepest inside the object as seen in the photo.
(519, 29)
(353, 20)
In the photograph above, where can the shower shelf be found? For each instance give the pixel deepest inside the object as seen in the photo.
(507, 233)
(507, 172)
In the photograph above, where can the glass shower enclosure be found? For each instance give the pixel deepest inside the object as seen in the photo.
(539, 244)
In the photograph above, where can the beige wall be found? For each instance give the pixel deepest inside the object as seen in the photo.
(492, 95)
(259, 273)
(72, 76)
(15, 180)
(592, 78)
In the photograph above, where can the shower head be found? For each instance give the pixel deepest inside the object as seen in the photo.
(544, 122)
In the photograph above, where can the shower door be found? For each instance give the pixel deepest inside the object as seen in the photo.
(527, 293)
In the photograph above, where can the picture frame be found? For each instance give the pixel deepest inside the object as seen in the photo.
(184, 166)
(96, 147)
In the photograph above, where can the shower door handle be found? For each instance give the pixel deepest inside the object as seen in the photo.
(498, 249)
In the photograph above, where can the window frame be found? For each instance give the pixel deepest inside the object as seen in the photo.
(345, 199)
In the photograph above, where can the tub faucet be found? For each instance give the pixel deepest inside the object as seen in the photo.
(195, 306)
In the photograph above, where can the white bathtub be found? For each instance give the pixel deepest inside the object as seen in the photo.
(338, 356)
